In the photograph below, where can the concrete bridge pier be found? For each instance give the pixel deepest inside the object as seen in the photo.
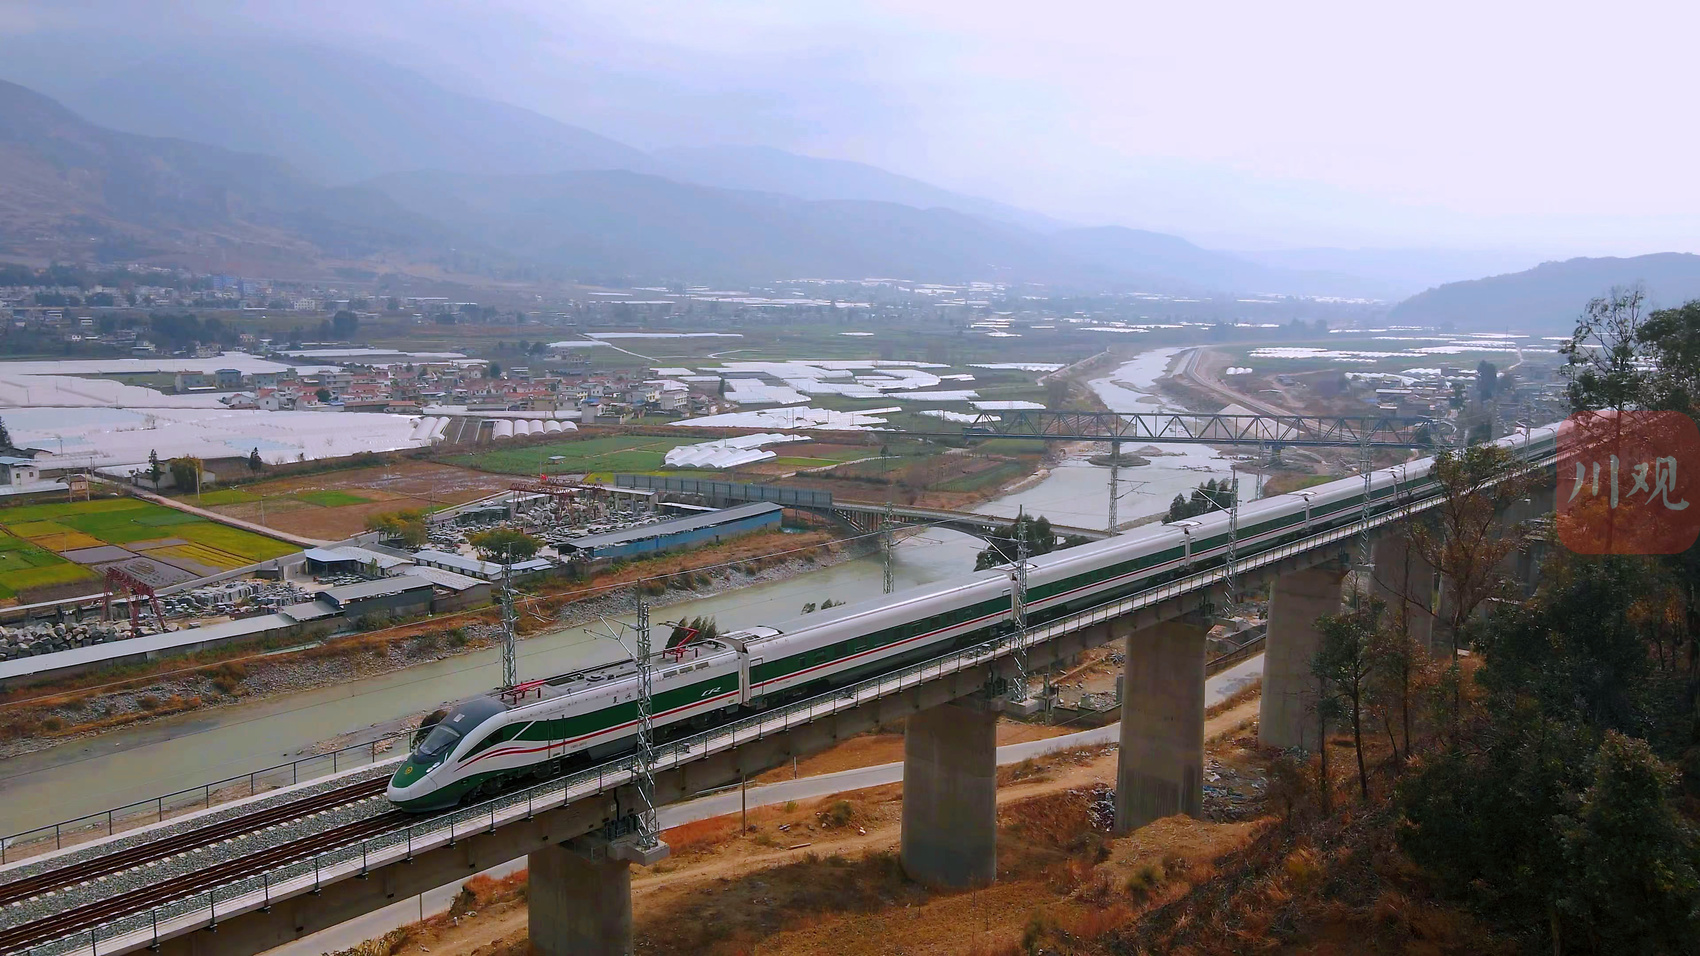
(1406, 583)
(1287, 715)
(1160, 770)
(950, 795)
(579, 902)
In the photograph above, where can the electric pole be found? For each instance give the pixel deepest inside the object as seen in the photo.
(510, 667)
(648, 829)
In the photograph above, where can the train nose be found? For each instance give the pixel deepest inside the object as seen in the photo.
(406, 781)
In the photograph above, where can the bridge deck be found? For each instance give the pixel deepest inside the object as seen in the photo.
(911, 514)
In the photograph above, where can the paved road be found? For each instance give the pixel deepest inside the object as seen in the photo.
(1189, 370)
(375, 924)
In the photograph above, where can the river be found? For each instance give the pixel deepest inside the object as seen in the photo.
(136, 763)
(1077, 492)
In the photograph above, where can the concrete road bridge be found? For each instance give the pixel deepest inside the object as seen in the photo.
(248, 876)
(865, 516)
(860, 515)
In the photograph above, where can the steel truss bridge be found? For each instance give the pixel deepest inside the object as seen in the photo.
(1331, 431)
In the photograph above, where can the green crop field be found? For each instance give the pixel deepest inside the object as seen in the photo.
(62, 573)
(615, 453)
(125, 522)
(243, 544)
(330, 499)
(226, 496)
(50, 512)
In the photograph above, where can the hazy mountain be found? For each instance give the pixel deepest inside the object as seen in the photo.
(1399, 272)
(1162, 261)
(807, 177)
(1551, 295)
(69, 188)
(624, 223)
(338, 116)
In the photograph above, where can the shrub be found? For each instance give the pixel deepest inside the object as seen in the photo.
(147, 702)
(52, 725)
(838, 814)
(1146, 879)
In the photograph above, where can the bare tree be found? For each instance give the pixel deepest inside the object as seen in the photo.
(1467, 538)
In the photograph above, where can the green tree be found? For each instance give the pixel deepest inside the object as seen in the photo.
(323, 395)
(255, 463)
(408, 525)
(1575, 652)
(504, 545)
(1345, 664)
(1631, 859)
(155, 469)
(495, 370)
(344, 324)
(1483, 815)
(1004, 547)
(1603, 355)
(184, 473)
(1487, 380)
(1208, 497)
(5, 435)
(1670, 344)
(698, 628)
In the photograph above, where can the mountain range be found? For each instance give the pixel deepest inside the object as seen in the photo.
(69, 186)
(1552, 295)
(296, 160)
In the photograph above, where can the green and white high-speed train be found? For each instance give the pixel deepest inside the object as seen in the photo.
(486, 744)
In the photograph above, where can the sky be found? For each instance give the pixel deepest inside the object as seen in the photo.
(1559, 128)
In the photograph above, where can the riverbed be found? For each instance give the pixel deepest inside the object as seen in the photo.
(1077, 492)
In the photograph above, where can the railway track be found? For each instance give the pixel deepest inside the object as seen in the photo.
(107, 864)
(83, 918)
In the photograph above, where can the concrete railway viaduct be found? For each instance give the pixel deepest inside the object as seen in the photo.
(576, 831)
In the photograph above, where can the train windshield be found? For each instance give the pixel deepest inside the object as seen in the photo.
(457, 724)
(438, 741)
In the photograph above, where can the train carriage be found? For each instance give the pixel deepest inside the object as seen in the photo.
(546, 727)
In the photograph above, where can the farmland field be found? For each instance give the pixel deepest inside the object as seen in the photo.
(333, 505)
(331, 498)
(36, 538)
(614, 453)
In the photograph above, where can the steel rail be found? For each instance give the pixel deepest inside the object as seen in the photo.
(107, 864)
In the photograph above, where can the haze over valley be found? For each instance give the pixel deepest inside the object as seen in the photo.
(297, 157)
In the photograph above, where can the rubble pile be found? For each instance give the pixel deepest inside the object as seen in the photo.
(231, 598)
(1231, 793)
(1101, 806)
(30, 640)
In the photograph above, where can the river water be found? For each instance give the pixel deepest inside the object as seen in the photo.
(137, 763)
(1077, 492)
